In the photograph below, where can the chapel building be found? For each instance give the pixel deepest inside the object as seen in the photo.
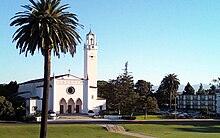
(68, 94)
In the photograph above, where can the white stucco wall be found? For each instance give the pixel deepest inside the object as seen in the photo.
(61, 91)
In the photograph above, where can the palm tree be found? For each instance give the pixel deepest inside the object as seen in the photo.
(45, 26)
(170, 84)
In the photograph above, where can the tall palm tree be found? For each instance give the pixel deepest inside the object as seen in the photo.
(170, 84)
(45, 26)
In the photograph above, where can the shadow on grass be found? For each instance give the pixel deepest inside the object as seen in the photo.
(201, 129)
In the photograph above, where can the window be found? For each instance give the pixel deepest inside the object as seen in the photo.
(70, 90)
(92, 96)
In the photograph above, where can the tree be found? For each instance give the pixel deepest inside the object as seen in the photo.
(189, 89)
(9, 90)
(152, 105)
(6, 109)
(168, 88)
(201, 90)
(45, 26)
(143, 89)
(121, 96)
(102, 89)
(212, 89)
(216, 82)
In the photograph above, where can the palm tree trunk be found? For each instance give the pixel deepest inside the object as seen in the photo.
(170, 100)
(47, 64)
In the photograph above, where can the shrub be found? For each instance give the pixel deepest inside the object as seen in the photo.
(6, 109)
(127, 117)
(102, 112)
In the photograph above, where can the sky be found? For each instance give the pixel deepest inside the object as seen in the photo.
(156, 37)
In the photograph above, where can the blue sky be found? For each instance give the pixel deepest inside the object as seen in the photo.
(156, 37)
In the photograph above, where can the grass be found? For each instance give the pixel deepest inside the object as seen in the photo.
(156, 129)
(57, 131)
(151, 117)
(177, 129)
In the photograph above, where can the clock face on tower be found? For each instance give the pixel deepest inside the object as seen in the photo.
(70, 90)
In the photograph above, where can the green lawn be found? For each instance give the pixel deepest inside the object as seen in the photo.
(151, 117)
(177, 129)
(156, 129)
(57, 131)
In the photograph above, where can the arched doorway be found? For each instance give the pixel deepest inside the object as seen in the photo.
(62, 106)
(78, 105)
(70, 108)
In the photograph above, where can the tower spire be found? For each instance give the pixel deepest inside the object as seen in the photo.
(90, 28)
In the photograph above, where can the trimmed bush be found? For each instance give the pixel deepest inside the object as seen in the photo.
(128, 117)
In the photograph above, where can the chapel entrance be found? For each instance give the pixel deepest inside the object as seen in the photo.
(61, 109)
(70, 108)
(63, 105)
(77, 108)
(78, 105)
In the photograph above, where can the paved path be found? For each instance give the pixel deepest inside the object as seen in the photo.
(120, 129)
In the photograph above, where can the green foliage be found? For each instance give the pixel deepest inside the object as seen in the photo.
(201, 91)
(45, 26)
(6, 109)
(205, 111)
(152, 105)
(128, 117)
(103, 87)
(168, 90)
(10, 92)
(212, 89)
(216, 82)
(145, 102)
(121, 96)
(189, 89)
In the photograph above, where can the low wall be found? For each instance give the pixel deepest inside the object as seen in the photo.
(112, 116)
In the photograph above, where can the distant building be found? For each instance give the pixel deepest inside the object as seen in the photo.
(195, 102)
(68, 93)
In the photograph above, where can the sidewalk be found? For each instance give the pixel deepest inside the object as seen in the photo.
(120, 129)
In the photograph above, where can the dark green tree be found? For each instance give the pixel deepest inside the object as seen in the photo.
(162, 97)
(189, 89)
(168, 89)
(212, 89)
(122, 97)
(201, 90)
(152, 105)
(6, 109)
(44, 25)
(216, 82)
(143, 89)
(103, 88)
(112, 100)
(9, 90)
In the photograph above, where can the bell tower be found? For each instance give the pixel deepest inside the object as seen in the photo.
(90, 71)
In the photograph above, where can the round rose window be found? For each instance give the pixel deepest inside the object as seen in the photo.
(70, 90)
